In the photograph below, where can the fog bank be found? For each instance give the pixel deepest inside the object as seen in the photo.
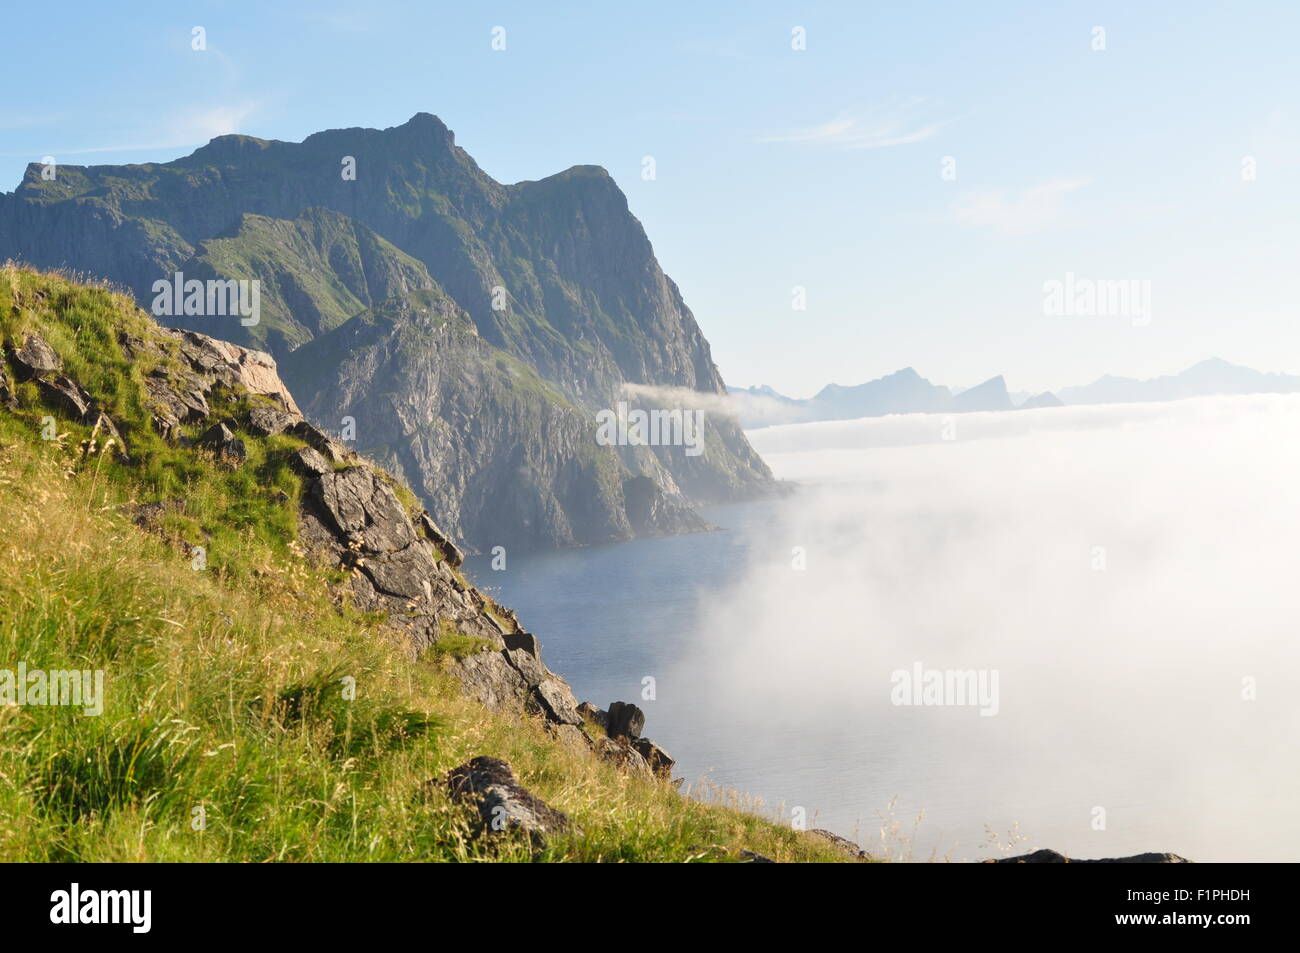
(1129, 572)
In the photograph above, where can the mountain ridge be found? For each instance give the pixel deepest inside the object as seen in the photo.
(762, 405)
(555, 272)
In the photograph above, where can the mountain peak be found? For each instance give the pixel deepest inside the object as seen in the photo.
(428, 122)
(425, 119)
(1214, 363)
(990, 395)
(231, 146)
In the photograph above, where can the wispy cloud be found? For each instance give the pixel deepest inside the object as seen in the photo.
(204, 124)
(184, 130)
(1011, 211)
(877, 127)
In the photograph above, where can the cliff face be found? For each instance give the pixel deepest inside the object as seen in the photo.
(555, 276)
(500, 454)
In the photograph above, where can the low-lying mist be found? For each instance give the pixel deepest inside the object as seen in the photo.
(1130, 574)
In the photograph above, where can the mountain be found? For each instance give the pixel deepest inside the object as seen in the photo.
(1209, 377)
(762, 406)
(498, 452)
(990, 395)
(1045, 399)
(905, 392)
(278, 645)
(902, 392)
(556, 276)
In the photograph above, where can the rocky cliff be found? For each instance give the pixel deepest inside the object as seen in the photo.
(223, 405)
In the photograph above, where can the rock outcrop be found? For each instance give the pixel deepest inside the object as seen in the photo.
(502, 804)
(399, 563)
(1046, 856)
(34, 360)
(622, 743)
(851, 849)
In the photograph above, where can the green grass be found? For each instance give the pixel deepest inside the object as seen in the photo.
(251, 713)
(454, 644)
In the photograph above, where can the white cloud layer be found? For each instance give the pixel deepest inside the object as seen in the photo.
(1120, 688)
(878, 127)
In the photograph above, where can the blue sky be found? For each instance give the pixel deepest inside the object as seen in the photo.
(776, 168)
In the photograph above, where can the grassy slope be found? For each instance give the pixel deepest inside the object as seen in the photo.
(223, 686)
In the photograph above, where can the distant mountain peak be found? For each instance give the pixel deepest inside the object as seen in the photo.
(1045, 399)
(1211, 376)
(990, 395)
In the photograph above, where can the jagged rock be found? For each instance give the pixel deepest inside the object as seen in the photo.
(622, 754)
(319, 440)
(651, 513)
(1046, 856)
(175, 403)
(843, 843)
(519, 638)
(361, 504)
(179, 394)
(557, 700)
(220, 439)
(625, 720)
(149, 515)
(656, 757)
(71, 398)
(35, 358)
(749, 857)
(571, 737)
(502, 803)
(489, 678)
(236, 366)
(309, 462)
(266, 421)
(450, 551)
(595, 715)
(66, 394)
(529, 666)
